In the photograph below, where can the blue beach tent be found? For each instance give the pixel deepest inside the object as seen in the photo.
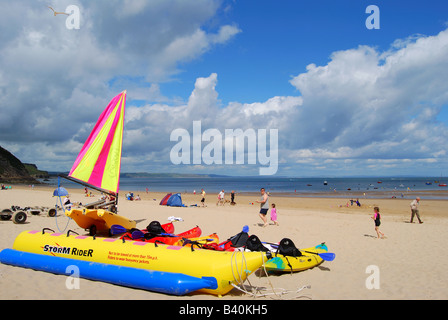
(175, 201)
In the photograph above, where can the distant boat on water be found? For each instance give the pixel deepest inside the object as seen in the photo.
(441, 184)
(325, 183)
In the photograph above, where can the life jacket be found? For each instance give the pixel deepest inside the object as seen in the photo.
(254, 244)
(287, 248)
(239, 240)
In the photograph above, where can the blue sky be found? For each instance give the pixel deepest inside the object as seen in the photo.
(279, 39)
(345, 100)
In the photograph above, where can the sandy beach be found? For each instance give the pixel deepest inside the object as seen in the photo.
(409, 261)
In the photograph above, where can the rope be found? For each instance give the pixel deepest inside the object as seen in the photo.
(56, 215)
(239, 282)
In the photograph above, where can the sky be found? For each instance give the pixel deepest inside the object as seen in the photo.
(345, 100)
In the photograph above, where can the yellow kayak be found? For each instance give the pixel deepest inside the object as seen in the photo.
(309, 259)
(97, 220)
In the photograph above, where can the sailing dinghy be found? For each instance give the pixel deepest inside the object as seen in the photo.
(98, 166)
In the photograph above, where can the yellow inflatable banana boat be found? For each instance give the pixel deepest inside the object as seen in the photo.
(226, 267)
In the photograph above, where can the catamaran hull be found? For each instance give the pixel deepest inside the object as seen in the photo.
(101, 219)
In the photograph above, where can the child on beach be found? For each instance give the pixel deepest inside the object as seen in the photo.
(376, 217)
(274, 214)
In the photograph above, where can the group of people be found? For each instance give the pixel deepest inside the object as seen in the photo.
(264, 208)
(222, 200)
(130, 196)
(414, 212)
(264, 204)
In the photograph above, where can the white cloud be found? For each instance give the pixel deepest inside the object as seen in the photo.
(54, 82)
(363, 104)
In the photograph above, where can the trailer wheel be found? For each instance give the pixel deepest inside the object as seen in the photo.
(92, 230)
(19, 217)
(51, 212)
(6, 214)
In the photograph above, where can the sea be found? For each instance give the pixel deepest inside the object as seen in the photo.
(400, 187)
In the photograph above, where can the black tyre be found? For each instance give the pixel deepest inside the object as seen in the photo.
(92, 230)
(19, 217)
(6, 214)
(52, 212)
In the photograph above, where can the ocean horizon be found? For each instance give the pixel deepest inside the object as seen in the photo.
(335, 187)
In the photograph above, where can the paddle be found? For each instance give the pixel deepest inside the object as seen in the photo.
(137, 234)
(326, 256)
(117, 229)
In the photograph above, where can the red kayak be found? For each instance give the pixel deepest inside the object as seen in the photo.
(171, 240)
(231, 244)
(167, 227)
(167, 237)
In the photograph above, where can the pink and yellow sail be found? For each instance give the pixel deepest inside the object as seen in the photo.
(99, 161)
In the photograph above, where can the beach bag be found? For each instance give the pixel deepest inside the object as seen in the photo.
(254, 244)
(287, 248)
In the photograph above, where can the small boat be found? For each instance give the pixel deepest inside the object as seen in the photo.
(325, 183)
(428, 183)
(442, 184)
(98, 220)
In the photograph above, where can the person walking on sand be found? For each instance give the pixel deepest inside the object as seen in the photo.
(264, 206)
(221, 199)
(274, 214)
(203, 198)
(377, 218)
(415, 211)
